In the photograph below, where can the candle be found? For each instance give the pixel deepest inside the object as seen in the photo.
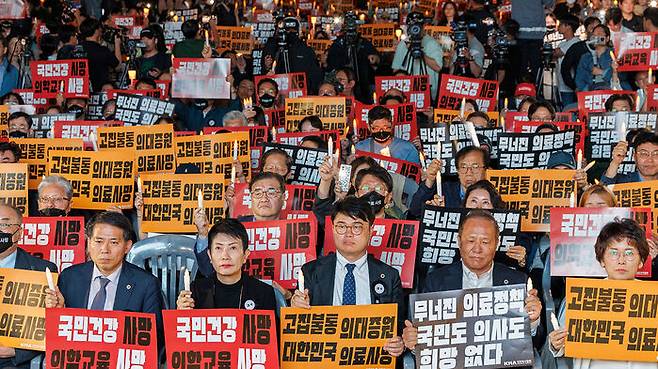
(49, 278)
(554, 321)
(92, 138)
(186, 279)
(421, 154)
(235, 150)
(462, 109)
(205, 32)
(199, 199)
(132, 75)
(502, 122)
(175, 18)
(589, 166)
(505, 104)
(529, 285)
(300, 280)
(579, 159)
(233, 174)
(337, 154)
(374, 97)
(572, 200)
(620, 120)
(471, 132)
(612, 55)
(273, 134)
(439, 191)
(353, 150)
(398, 33)
(638, 103)
(650, 76)
(61, 87)
(139, 184)
(356, 129)
(330, 149)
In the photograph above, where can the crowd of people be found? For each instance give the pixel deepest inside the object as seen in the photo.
(505, 41)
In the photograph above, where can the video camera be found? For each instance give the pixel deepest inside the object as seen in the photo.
(350, 27)
(500, 45)
(415, 24)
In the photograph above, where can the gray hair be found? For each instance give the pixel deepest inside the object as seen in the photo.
(56, 180)
(235, 114)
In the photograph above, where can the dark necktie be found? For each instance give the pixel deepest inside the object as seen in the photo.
(99, 300)
(349, 286)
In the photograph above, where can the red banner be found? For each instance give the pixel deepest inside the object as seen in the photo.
(455, 88)
(393, 165)
(594, 101)
(579, 127)
(70, 77)
(275, 118)
(58, 239)
(300, 197)
(636, 51)
(392, 241)
(220, 338)
(201, 78)
(295, 138)
(100, 339)
(82, 129)
(279, 248)
(290, 85)
(416, 89)
(652, 97)
(404, 120)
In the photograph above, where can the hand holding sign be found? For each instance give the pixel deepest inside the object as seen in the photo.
(409, 335)
(300, 299)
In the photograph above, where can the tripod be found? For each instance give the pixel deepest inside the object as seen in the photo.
(554, 93)
(24, 77)
(415, 54)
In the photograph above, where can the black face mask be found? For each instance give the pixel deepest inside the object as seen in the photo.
(18, 134)
(375, 200)
(267, 101)
(6, 240)
(201, 103)
(110, 117)
(382, 136)
(76, 109)
(52, 212)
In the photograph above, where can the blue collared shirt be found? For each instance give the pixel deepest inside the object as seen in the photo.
(9, 262)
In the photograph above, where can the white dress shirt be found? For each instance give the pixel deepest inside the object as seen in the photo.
(361, 277)
(110, 289)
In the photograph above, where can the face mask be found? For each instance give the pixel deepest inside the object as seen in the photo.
(201, 103)
(267, 101)
(76, 109)
(110, 117)
(6, 240)
(382, 136)
(52, 212)
(18, 134)
(375, 200)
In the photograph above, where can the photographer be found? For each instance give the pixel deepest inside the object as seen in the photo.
(506, 56)
(595, 68)
(419, 50)
(468, 57)
(99, 57)
(8, 73)
(154, 59)
(343, 51)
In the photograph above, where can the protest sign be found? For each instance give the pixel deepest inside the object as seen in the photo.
(594, 101)
(403, 119)
(141, 110)
(276, 118)
(442, 34)
(456, 88)
(532, 150)
(261, 31)
(319, 46)
(4, 120)
(153, 145)
(81, 129)
(68, 77)
(483, 328)
(171, 199)
(579, 127)
(438, 233)
(305, 163)
(392, 241)
(635, 51)
(290, 85)
(534, 193)
(35, 153)
(221, 338)
(331, 111)
(393, 165)
(381, 35)
(173, 33)
(235, 38)
(295, 138)
(99, 180)
(61, 240)
(611, 320)
(184, 14)
(638, 194)
(257, 136)
(416, 89)
(95, 105)
(151, 92)
(332, 337)
(453, 137)
(41, 103)
(201, 78)
(23, 323)
(449, 115)
(100, 339)
(573, 235)
(279, 248)
(300, 197)
(42, 124)
(13, 185)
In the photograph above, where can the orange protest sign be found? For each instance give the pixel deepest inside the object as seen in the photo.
(319, 46)
(13, 185)
(331, 337)
(637, 194)
(153, 145)
(22, 308)
(35, 153)
(4, 120)
(98, 179)
(235, 38)
(533, 192)
(611, 319)
(382, 35)
(170, 201)
(331, 111)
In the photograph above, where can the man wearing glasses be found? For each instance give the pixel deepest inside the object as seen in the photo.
(55, 194)
(645, 157)
(351, 276)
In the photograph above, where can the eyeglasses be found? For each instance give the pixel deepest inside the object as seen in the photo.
(274, 168)
(356, 228)
(463, 168)
(271, 193)
(54, 200)
(382, 190)
(6, 226)
(643, 154)
(628, 254)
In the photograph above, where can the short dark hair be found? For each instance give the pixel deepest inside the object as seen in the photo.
(361, 160)
(190, 28)
(349, 72)
(149, 81)
(114, 219)
(6, 96)
(616, 97)
(479, 114)
(474, 103)
(275, 151)
(528, 99)
(570, 21)
(384, 99)
(643, 137)
(651, 14)
(484, 184)
(315, 121)
(268, 175)
(377, 172)
(469, 149)
(66, 31)
(322, 145)
(13, 147)
(230, 227)
(478, 213)
(541, 104)
(550, 126)
(590, 20)
(379, 112)
(48, 44)
(618, 230)
(20, 114)
(354, 208)
(613, 14)
(267, 80)
(89, 26)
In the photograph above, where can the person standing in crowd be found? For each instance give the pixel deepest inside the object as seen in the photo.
(645, 157)
(101, 59)
(631, 20)
(531, 17)
(154, 61)
(8, 72)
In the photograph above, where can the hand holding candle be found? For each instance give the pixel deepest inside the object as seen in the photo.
(186, 279)
(199, 199)
(49, 278)
(300, 281)
(554, 321)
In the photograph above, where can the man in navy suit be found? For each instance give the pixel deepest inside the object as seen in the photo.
(351, 276)
(108, 282)
(478, 236)
(13, 257)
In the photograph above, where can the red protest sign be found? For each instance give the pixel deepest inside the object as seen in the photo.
(574, 232)
(404, 120)
(393, 165)
(201, 78)
(392, 241)
(636, 51)
(295, 138)
(275, 118)
(221, 338)
(70, 77)
(290, 85)
(82, 129)
(594, 101)
(14, 9)
(455, 88)
(279, 248)
(579, 127)
(416, 89)
(300, 197)
(652, 97)
(58, 239)
(100, 339)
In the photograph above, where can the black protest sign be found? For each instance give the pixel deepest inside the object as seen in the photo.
(135, 110)
(42, 124)
(305, 163)
(532, 150)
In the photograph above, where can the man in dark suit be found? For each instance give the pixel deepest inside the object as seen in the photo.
(351, 276)
(478, 236)
(108, 282)
(13, 257)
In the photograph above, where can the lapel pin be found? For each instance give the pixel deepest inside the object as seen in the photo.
(382, 275)
(129, 287)
(379, 288)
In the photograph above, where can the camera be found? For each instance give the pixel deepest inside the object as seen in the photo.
(350, 27)
(110, 33)
(547, 55)
(415, 23)
(500, 45)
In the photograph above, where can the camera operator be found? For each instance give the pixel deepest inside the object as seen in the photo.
(468, 55)
(8, 73)
(568, 26)
(290, 49)
(418, 50)
(531, 15)
(154, 59)
(99, 57)
(506, 56)
(342, 53)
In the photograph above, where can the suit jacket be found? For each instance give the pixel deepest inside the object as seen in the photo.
(451, 190)
(319, 278)
(26, 261)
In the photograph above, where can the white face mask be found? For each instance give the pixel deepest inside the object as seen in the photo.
(571, 2)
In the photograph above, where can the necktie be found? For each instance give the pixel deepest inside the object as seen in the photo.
(349, 286)
(99, 300)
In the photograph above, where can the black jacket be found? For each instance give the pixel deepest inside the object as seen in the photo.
(302, 59)
(261, 294)
(570, 63)
(338, 57)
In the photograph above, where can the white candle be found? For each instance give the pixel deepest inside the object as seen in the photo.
(92, 138)
(235, 150)
(422, 160)
(300, 280)
(199, 199)
(233, 174)
(579, 159)
(471, 132)
(356, 130)
(620, 119)
(330, 149)
(186, 279)
(273, 134)
(590, 165)
(554, 321)
(139, 184)
(529, 285)
(462, 110)
(572, 200)
(650, 76)
(439, 191)
(49, 278)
